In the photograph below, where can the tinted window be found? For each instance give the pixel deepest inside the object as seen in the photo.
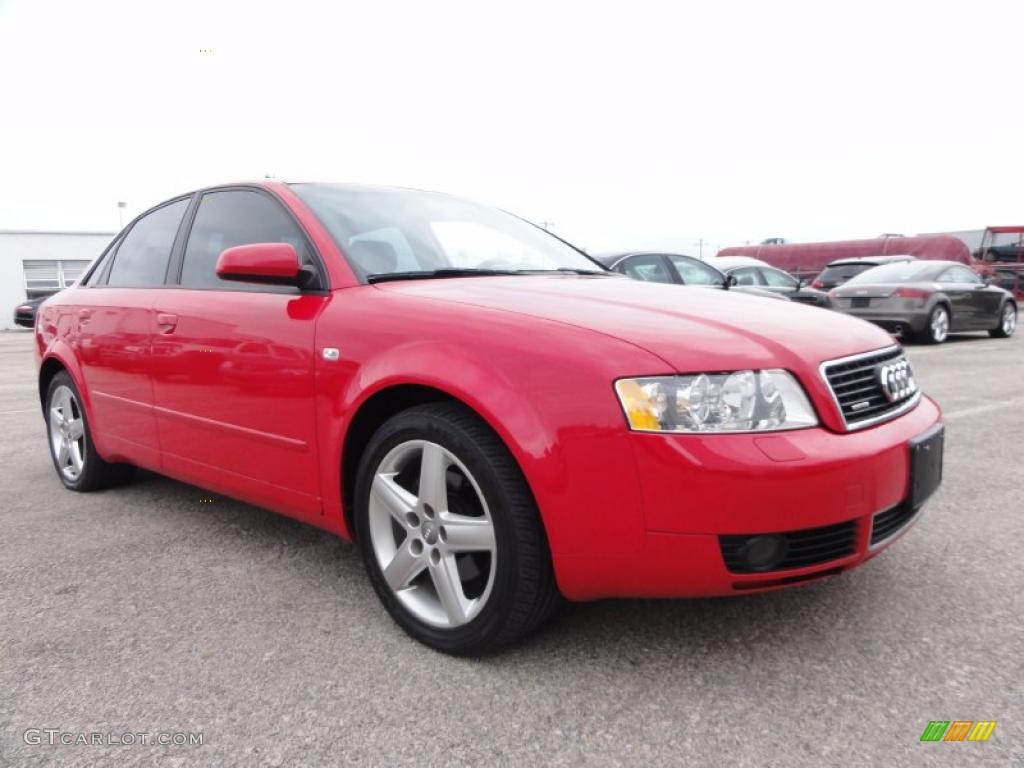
(230, 218)
(747, 276)
(839, 274)
(960, 275)
(141, 259)
(648, 268)
(898, 272)
(777, 279)
(694, 272)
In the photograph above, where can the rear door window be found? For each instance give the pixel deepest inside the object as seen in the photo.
(141, 258)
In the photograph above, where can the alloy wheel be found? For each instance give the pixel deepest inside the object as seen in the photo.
(940, 324)
(1009, 320)
(67, 432)
(432, 533)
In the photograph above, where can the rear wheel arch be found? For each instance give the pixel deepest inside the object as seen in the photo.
(51, 367)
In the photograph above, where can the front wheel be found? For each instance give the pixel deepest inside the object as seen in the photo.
(450, 534)
(1007, 322)
(937, 329)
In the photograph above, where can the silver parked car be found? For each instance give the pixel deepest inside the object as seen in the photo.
(754, 273)
(677, 269)
(927, 300)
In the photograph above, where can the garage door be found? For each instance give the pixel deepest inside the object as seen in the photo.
(43, 277)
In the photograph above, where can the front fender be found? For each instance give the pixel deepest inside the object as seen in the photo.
(563, 427)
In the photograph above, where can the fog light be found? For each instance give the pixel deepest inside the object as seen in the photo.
(763, 553)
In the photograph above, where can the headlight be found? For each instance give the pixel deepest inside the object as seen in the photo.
(745, 401)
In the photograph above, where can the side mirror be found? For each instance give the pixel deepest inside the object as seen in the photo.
(264, 263)
(987, 279)
(801, 283)
(730, 281)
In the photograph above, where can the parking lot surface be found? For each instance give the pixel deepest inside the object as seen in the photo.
(158, 607)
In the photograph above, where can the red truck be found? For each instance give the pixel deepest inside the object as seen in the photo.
(808, 259)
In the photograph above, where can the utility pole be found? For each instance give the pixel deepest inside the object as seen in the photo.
(121, 205)
(700, 245)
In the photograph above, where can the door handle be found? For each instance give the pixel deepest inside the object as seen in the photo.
(84, 315)
(166, 321)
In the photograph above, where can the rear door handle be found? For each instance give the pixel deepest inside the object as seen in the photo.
(166, 321)
(84, 315)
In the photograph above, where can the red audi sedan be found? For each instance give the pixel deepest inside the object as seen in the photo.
(494, 418)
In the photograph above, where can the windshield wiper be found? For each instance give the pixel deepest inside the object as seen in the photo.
(569, 271)
(426, 274)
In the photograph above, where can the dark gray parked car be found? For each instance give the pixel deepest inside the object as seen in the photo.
(677, 269)
(928, 300)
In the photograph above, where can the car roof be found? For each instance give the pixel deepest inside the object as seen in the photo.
(872, 260)
(726, 263)
(612, 258)
(930, 269)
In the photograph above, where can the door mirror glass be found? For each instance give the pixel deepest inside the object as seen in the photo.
(266, 263)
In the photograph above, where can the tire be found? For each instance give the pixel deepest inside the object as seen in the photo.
(461, 564)
(1007, 322)
(74, 454)
(939, 322)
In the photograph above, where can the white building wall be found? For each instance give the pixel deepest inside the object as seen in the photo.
(17, 247)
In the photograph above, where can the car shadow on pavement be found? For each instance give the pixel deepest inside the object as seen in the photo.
(621, 631)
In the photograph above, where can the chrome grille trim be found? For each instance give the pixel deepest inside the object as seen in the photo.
(896, 352)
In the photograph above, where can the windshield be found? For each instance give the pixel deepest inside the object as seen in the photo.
(393, 232)
(900, 272)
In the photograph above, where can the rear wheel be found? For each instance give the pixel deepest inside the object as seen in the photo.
(1007, 322)
(450, 534)
(937, 330)
(74, 455)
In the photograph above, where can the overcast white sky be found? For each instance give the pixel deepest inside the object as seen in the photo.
(628, 124)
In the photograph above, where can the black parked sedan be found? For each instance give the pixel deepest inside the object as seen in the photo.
(677, 269)
(25, 313)
(928, 300)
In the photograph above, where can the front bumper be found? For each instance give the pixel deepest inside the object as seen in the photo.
(696, 489)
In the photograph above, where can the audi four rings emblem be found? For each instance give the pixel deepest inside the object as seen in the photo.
(896, 380)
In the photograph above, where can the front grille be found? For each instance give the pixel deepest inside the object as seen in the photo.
(888, 523)
(810, 546)
(858, 391)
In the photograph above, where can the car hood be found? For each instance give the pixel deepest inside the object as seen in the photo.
(690, 330)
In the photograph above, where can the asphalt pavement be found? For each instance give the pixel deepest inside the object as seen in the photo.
(160, 608)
